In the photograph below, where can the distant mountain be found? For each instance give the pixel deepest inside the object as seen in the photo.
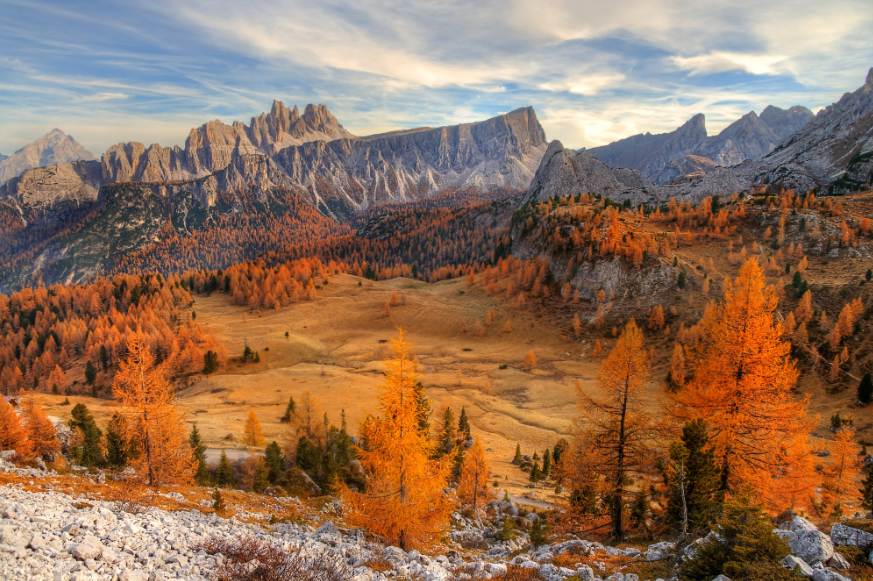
(52, 148)
(312, 154)
(832, 152)
(750, 137)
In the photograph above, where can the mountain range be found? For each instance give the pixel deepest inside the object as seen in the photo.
(689, 150)
(311, 154)
(67, 221)
(52, 148)
(832, 151)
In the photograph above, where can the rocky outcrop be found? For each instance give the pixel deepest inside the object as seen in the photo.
(685, 169)
(53, 148)
(44, 186)
(750, 137)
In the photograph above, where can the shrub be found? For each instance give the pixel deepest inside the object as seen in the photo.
(749, 550)
(250, 559)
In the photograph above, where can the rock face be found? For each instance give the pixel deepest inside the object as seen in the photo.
(410, 165)
(316, 155)
(53, 148)
(750, 137)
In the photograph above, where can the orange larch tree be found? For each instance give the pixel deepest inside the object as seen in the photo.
(253, 433)
(741, 383)
(41, 432)
(474, 490)
(405, 501)
(12, 434)
(613, 428)
(147, 399)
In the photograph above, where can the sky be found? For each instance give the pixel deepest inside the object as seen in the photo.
(594, 71)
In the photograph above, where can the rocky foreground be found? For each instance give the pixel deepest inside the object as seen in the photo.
(54, 536)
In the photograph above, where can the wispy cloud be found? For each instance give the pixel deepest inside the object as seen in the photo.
(594, 71)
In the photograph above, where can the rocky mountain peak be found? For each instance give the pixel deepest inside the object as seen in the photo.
(694, 127)
(869, 80)
(52, 148)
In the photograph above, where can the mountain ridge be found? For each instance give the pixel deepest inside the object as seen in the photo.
(750, 137)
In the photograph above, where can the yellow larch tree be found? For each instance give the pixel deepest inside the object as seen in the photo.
(838, 484)
(13, 436)
(530, 361)
(253, 432)
(613, 428)
(41, 433)
(474, 490)
(147, 400)
(405, 501)
(741, 382)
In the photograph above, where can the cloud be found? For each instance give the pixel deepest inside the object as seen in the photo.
(97, 97)
(756, 64)
(594, 71)
(589, 85)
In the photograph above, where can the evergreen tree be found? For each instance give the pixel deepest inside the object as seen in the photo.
(89, 453)
(535, 473)
(104, 357)
(344, 447)
(202, 475)
(558, 453)
(224, 475)
(218, 503)
(517, 458)
(275, 462)
(538, 533)
(865, 389)
(90, 373)
(748, 549)
(308, 455)
(547, 462)
(692, 480)
(262, 478)
(210, 362)
(867, 491)
(464, 426)
(290, 410)
(448, 437)
(423, 409)
(119, 448)
(327, 473)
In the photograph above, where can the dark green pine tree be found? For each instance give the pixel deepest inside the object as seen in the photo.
(867, 491)
(423, 409)
(448, 436)
(464, 426)
(517, 458)
(692, 479)
(535, 473)
(89, 454)
(224, 474)
(865, 389)
(275, 462)
(327, 473)
(290, 410)
(308, 455)
(119, 448)
(749, 551)
(261, 479)
(90, 373)
(345, 450)
(202, 476)
(547, 462)
(560, 449)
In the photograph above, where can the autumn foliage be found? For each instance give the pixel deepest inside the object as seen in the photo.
(148, 402)
(405, 501)
(741, 382)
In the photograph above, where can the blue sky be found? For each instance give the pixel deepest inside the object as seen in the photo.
(107, 72)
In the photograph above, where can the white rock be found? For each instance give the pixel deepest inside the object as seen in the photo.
(792, 562)
(89, 547)
(828, 575)
(839, 562)
(841, 535)
(660, 551)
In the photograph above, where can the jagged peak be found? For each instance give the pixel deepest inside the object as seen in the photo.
(869, 79)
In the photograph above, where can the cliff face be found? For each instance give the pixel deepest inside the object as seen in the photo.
(314, 154)
(409, 165)
(53, 148)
